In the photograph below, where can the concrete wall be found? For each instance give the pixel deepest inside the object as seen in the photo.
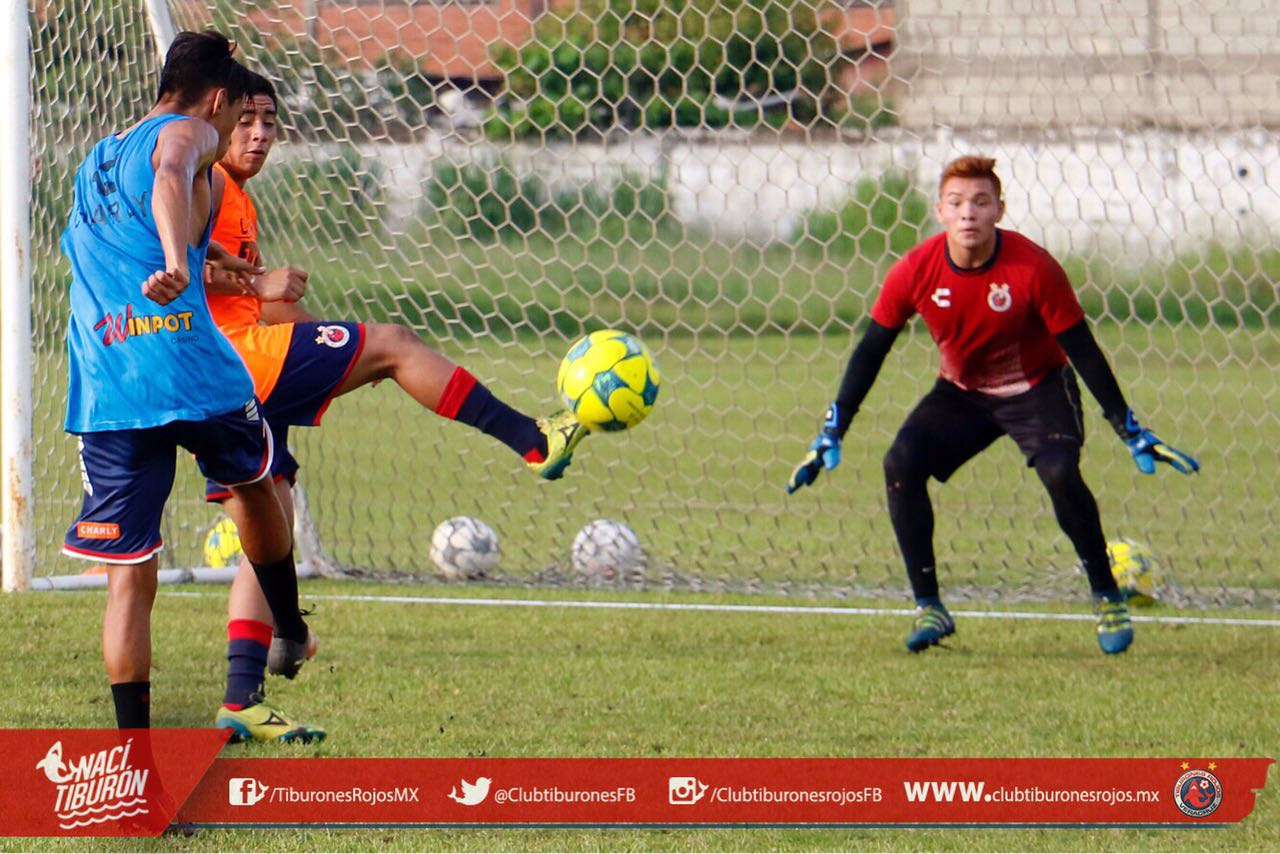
(1134, 195)
(1189, 64)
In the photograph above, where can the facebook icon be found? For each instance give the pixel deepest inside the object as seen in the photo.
(245, 791)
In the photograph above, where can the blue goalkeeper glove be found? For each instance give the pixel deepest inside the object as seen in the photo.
(823, 453)
(1147, 449)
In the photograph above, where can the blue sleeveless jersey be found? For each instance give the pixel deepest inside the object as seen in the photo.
(135, 363)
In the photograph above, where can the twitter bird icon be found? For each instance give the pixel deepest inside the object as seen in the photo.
(472, 793)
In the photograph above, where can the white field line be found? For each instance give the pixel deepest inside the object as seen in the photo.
(754, 609)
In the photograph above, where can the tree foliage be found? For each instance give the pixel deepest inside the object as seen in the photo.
(597, 64)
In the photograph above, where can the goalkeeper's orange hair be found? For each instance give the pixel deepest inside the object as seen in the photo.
(972, 166)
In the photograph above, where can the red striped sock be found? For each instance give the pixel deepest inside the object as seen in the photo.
(467, 400)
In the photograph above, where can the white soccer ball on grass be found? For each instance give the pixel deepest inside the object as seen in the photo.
(608, 550)
(464, 547)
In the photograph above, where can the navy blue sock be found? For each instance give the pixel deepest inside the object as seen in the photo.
(133, 704)
(247, 645)
(466, 400)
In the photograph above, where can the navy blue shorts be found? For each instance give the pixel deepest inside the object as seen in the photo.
(321, 356)
(128, 475)
(951, 426)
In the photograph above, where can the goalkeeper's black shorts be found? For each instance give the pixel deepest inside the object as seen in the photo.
(950, 426)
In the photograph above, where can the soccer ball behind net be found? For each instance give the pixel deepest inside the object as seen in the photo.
(222, 545)
(1136, 571)
(608, 551)
(464, 547)
(608, 380)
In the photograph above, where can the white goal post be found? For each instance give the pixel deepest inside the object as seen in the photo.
(18, 491)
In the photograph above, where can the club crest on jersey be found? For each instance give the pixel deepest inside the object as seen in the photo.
(333, 336)
(999, 299)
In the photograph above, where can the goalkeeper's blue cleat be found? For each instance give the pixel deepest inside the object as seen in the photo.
(932, 624)
(261, 721)
(824, 453)
(563, 431)
(1147, 449)
(1115, 631)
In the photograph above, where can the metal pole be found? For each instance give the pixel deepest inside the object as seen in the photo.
(18, 551)
(162, 28)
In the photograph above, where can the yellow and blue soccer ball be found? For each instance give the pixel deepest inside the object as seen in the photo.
(222, 545)
(1136, 571)
(608, 380)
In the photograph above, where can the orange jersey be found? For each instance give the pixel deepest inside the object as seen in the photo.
(263, 348)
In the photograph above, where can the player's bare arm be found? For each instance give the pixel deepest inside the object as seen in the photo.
(227, 273)
(286, 312)
(181, 201)
(283, 284)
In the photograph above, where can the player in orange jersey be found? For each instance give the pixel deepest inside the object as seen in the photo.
(299, 364)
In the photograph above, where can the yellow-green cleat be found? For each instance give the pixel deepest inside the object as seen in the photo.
(261, 721)
(563, 432)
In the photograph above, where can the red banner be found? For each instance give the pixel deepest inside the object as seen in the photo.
(109, 782)
(97, 782)
(726, 791)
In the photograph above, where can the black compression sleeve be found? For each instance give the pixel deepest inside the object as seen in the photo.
(1092, 366)
(861, 372)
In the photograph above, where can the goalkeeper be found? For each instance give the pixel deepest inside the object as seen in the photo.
(298, 366)
(1006, 321)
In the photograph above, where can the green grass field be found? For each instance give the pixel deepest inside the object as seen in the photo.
(419, 680)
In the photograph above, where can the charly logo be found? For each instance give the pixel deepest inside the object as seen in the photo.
(95, 788)
(333, 336)
(999, 299)
(1197, 793)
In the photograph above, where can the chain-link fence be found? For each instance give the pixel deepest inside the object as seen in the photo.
(730, 180)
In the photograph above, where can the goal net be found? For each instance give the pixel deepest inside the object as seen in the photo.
(729, 181)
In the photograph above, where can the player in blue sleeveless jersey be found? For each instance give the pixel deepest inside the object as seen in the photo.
(149, 371)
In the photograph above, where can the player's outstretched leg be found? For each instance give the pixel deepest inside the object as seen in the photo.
(563, 432)
(396, 353)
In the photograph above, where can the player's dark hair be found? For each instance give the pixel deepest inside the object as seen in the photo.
(972, 166)
(198, 62)
(259, 85)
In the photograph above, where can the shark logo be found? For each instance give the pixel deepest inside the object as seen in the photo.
(98, 787)
(53, 766)
(472, 793)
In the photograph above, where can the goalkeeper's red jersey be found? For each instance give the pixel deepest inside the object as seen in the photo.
(994, 325)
